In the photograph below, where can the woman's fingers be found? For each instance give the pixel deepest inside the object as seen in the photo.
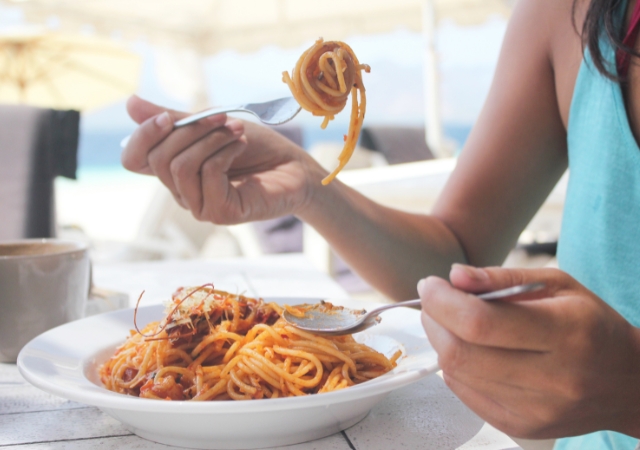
(513, 325)
(527, 413)
(210, 133)
(152, 131)
(533, 368)
(221, 202)
(155, 143)
(478, 280)
(507, 376)
(515, 422)
(475, 362)
(187, 168)
(156, 123)
(223, 171)
(140, 110)
(485, 406)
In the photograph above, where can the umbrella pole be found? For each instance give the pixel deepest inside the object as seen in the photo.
(433, 120)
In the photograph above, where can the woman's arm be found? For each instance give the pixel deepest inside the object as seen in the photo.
(229, 172)
(513, 158)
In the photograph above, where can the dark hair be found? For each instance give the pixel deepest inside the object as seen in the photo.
(601, 22)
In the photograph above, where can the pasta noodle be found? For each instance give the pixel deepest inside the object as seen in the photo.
(213, 345)
(321, 82)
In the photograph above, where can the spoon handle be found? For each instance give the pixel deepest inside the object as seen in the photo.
(408, 303)
(513, 290)
(487, 296)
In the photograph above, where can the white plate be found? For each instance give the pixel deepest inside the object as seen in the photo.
(64, 361)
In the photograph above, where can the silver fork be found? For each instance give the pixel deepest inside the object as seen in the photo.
(273, 112)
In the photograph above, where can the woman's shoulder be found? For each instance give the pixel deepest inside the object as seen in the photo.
(549, 32)
(550, 27)
(554, 21)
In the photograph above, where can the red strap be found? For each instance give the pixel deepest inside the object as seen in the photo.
(623, 59)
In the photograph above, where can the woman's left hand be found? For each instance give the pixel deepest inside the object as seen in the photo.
(552, 363)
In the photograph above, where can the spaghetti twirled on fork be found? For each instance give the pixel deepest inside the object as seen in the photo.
(321, 82)
(213, 345)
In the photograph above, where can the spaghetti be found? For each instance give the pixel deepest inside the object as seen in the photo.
(321, 82)
(213, 345)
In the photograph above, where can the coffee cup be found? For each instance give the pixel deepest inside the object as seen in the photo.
(43, 283)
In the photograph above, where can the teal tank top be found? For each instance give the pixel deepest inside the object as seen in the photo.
(600, 237)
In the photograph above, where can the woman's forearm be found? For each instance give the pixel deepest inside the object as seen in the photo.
(390, 249)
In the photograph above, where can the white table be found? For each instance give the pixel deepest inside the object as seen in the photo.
(425, 415)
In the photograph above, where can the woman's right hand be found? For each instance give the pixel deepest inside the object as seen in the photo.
(223, 170)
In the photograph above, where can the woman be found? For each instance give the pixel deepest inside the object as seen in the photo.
(566, 362)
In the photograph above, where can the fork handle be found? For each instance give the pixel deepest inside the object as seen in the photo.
(195, 117)
(206, 113)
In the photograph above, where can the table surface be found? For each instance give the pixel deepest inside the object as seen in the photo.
(425, 414)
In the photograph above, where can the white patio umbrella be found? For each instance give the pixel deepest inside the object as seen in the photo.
(208, 26)
(64, 71)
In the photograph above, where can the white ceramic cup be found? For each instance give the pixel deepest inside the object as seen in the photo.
(43, 283)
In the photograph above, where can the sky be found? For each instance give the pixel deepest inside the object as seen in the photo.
(394, 86)
(395, 95)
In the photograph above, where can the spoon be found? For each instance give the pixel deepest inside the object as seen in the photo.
(340, 320)
(274, 112)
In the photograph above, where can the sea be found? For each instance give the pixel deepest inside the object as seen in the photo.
(99, 150)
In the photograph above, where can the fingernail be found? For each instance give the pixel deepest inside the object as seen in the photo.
(474, 273)
(421, 284)
(163, 120)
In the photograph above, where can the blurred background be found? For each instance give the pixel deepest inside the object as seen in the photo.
(431, 66)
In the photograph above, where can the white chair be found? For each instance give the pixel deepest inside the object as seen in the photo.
(168, 231)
